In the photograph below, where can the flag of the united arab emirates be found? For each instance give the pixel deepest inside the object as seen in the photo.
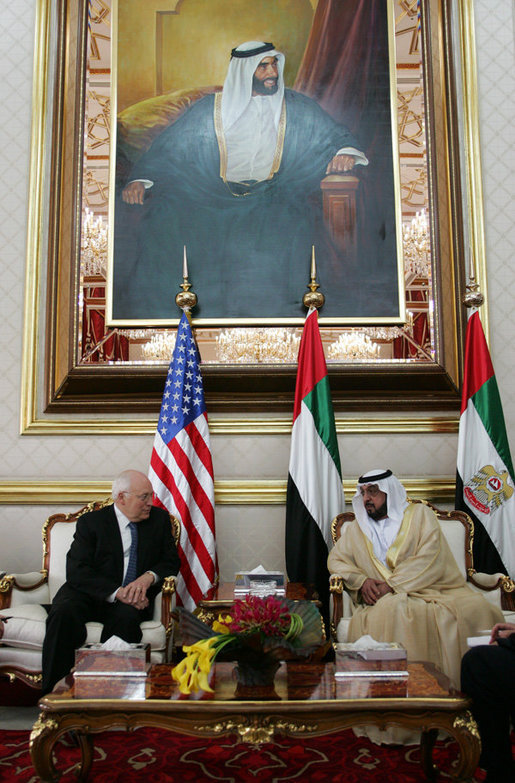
(485, 478)
(315, 493)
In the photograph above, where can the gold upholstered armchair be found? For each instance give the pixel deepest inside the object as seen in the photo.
(458, 529)
(23, 596)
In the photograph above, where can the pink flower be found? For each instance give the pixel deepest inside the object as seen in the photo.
(267, 615)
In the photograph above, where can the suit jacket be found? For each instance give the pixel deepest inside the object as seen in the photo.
(94, 563)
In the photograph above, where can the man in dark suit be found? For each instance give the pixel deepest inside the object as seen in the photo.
(488, 677)
(117, 560)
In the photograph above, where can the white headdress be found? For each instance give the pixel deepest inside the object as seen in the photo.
(237, 91)
(385, 481)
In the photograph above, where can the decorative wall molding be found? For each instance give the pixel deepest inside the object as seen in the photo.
(245, 492)
(248, 425)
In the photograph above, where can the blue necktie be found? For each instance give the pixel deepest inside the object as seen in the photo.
(132, 568)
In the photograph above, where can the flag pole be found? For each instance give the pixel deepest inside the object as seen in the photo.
(181, 466)
(186, 299)
(473, 296)
(313, 298)
(314, 494)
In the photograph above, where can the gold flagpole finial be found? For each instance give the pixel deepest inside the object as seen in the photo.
(473, 296)
(186, 299)
(313, 298)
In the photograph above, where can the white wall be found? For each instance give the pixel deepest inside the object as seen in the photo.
(255, 533)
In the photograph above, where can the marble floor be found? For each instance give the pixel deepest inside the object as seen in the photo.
(18, 718)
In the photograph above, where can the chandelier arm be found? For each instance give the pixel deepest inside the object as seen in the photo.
(99, 344)
(420, 348)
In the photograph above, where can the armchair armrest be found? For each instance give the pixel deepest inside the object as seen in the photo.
(168, 592)
(336, 592)
(29, 588)
(500, 582)
(342, 604)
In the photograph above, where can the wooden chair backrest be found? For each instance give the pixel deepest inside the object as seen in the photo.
(338, 522)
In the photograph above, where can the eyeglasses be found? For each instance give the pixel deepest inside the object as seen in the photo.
(370, 489)
(143, 497)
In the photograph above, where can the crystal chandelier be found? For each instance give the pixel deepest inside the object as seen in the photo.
(160, 346)
(136, 334)
(417, 246)
(386, 334)
(353, 346)
(253, 346)
(93, 257)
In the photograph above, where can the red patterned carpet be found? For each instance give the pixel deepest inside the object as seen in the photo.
(163, 757)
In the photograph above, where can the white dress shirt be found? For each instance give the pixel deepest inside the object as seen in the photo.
(382, 535)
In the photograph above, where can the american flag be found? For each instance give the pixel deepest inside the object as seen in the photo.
(181, 469)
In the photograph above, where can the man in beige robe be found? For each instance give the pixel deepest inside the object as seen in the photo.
(403, 578)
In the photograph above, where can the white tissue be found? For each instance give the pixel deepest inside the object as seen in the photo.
(115, 643)
(367, 642)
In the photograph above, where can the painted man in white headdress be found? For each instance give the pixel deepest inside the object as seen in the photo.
(237, 180)
(403, 578)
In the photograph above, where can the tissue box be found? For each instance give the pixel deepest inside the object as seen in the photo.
(108, 687)
(259, 583)
(95, 660)
(388, 660)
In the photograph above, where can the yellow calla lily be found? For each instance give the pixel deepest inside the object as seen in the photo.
(203, 681)
(220, 627)
(205, 661)
(191, 673)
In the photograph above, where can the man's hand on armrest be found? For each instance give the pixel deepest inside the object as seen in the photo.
(134, 192)
(340, 164)
(345, 160)
(135, 593)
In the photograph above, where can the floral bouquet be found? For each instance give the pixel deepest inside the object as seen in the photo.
(258, 634)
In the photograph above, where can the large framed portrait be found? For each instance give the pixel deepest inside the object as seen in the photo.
(254, 145)
(137, 96)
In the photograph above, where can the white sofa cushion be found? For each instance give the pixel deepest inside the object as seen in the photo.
(25, 626)
(22, 658)
(153, 634)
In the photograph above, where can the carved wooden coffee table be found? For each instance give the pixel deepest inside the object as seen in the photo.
(305, 701)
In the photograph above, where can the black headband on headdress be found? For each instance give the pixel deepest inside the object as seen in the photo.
(377, 477)
(266, 47)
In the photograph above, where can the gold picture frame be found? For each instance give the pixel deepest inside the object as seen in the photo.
(55, 381)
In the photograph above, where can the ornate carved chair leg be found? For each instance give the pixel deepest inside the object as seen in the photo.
(427, 743)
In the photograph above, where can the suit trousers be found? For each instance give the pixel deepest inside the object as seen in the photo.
(488, 676)
(66, 630)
